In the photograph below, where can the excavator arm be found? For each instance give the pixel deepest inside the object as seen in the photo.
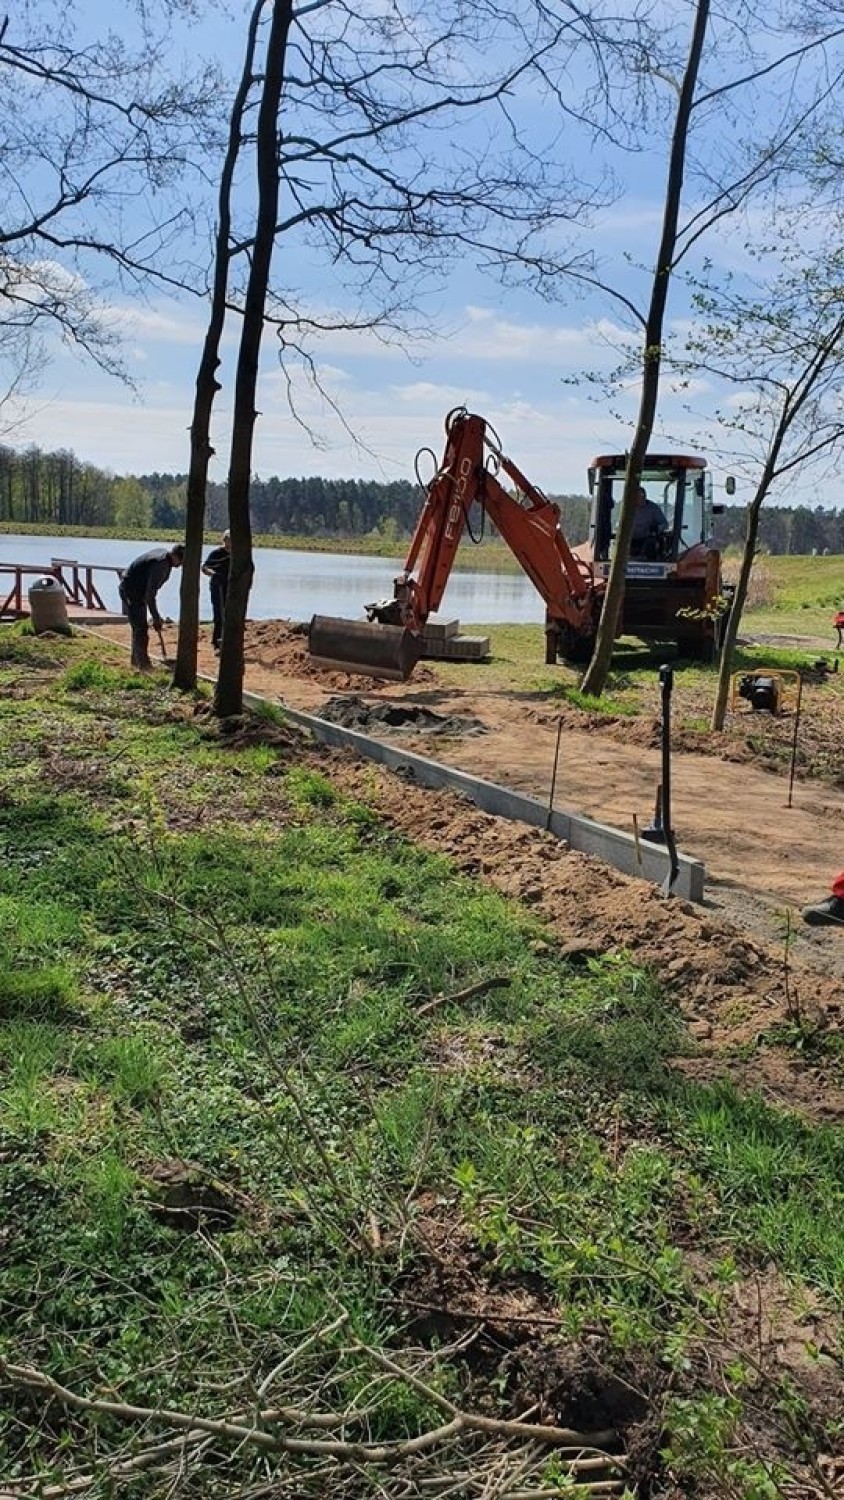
(528, 522)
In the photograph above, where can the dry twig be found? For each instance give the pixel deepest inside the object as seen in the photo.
(495, 982)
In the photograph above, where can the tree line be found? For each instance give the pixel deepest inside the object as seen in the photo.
(58, 489)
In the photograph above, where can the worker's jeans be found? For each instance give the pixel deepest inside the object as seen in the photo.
(135, 611)
(218, 605)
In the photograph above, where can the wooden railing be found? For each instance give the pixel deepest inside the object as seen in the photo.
(77, 580)
(12, 604)
(79, 586)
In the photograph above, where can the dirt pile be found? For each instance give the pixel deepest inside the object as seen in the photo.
(396, 718)
(281, 646)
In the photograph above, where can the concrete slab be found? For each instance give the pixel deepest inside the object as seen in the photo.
(631, 856)
(456, 648)
(79, 614)
(438, 629)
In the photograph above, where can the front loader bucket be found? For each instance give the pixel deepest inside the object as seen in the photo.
(374, 650)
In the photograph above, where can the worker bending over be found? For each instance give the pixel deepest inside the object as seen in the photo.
(138, 587)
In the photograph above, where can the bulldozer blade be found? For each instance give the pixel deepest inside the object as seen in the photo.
(388, 651)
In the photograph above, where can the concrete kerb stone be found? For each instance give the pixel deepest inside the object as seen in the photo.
(612, 845)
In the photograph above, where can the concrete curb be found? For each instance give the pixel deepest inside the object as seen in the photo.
(614, 847)
(648, 861)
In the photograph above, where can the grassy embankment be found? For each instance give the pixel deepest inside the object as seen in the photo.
(212, 957)
(366, 546)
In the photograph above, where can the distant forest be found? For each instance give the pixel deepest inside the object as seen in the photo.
(57, 489)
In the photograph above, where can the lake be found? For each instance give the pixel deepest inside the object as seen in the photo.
(296, 585)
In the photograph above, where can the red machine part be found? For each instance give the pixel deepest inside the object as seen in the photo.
(529, 524)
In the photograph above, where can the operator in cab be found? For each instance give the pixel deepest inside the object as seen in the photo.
(650, 524)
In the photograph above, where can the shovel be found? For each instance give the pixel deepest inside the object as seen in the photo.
(164, 657)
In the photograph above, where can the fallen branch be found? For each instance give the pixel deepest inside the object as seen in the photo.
(236, 1431)
(495, 982)
(255, 1436)
(556, 1437)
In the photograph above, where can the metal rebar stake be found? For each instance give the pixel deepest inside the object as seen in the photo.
(661, 830)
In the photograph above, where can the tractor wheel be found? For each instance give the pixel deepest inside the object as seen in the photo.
(700, 648)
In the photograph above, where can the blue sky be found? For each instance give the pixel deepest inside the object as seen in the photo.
(508, 354)
(507, 362)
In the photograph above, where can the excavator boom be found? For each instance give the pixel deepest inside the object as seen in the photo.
(390, 645)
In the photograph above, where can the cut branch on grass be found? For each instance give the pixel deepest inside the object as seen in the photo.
(557, 1437)
(254, 1433)
(482, 987)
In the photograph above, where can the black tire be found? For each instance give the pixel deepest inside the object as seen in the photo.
(700, 648)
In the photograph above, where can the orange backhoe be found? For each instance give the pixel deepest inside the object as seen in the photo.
(571, 581)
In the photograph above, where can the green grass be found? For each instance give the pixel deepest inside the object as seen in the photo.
(213, 957)
(806, 582)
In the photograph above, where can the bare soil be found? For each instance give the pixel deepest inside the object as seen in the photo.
(745, 970)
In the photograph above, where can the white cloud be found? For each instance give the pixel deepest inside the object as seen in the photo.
(510, 368)
(741, 401)
(169, 323)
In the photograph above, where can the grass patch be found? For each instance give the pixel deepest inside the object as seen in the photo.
(226, 1119)
(92, 673)
(610, 706)
(36, 992)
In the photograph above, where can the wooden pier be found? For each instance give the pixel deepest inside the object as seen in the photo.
(84, 600)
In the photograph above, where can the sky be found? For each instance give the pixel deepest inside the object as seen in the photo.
(508, 364)
(510, 355)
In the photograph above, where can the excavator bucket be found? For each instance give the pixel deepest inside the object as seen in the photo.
(374, 650)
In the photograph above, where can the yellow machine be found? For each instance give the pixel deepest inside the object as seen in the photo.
(765, 690)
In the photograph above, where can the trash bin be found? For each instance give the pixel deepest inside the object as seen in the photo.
(48, 607)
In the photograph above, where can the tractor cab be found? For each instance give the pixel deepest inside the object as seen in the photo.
(676, 511)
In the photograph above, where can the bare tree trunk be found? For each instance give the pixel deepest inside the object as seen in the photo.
(728, 645)
(207, 386)
(595, 678)
(229, 695)
(795, 402)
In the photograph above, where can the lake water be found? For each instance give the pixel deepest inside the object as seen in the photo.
(296, 585)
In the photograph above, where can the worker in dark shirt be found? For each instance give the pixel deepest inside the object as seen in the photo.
(138, 587)
(650, 525)
(216, 567)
